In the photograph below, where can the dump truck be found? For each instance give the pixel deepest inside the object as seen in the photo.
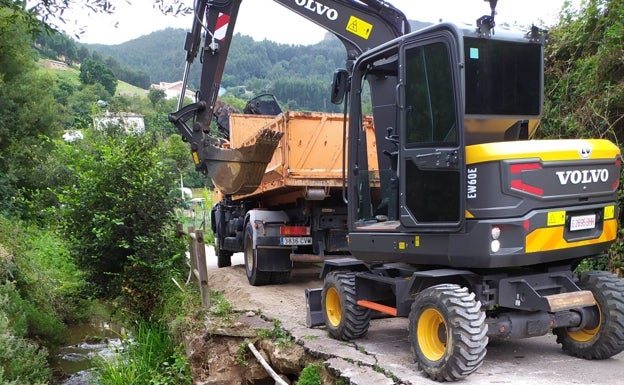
(445, 209)
(291, 209)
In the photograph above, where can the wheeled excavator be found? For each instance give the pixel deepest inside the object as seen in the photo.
(446, 211)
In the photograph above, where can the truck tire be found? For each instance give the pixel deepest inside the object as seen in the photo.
(344, 319)
(224, 257)
(254, 276)
(447, 331)
(605, 339)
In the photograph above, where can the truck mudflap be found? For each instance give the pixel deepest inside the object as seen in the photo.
(240, 170)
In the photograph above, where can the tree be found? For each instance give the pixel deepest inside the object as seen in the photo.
(119, 217)
(30, 118)
(584, 78)
(155, 95)
(93, 71)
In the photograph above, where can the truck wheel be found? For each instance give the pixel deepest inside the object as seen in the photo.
(255, 277)
(224, 257)
(606, 338)
(344, 319)
(447, 331)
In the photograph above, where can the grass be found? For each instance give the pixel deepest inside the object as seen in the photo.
(71, 76)
(241, 354)
(278, 334)
(149, 357)
(221, 308)
(310, 375)
(124, 88)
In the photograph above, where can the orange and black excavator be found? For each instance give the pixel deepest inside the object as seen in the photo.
(433, 202)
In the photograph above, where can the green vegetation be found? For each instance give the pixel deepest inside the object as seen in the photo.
(40, 288)
(149, 357)
(310, 375)
(82, 221)
(278, 334)
(125, 242)
(241, 354)
(21, 361)
(93, 72)
(584, 81)
(221, 307)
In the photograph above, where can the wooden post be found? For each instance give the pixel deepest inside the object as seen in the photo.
(203, 268)
(193, 251)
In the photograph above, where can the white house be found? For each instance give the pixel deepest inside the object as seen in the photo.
(173, 90)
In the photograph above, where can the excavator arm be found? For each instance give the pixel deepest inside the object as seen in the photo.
(360, 26)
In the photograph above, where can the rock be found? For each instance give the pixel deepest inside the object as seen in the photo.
(289, 359)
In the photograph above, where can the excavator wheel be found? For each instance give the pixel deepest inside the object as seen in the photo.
(447, 331)
(224, 257)
(254, 276)
(344, 319)
(604, 338)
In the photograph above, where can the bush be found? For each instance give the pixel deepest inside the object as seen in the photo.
(149, 357)
(21, 361)
(583, 85)
(119, 218)
(49, 288)
(310, 375)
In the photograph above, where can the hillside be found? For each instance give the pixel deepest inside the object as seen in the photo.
(70, 75)
(298, 75)
(161, 54)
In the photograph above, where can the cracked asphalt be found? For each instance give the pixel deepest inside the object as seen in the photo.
(383, 356)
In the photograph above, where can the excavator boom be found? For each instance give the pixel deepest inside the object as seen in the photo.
(359, 25)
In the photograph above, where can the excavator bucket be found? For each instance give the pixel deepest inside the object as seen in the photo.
(240, 170)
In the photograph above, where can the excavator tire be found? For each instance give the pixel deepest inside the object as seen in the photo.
(605, 339)
(447, 331)
(254, 276)
(224, 257)
(344, 319)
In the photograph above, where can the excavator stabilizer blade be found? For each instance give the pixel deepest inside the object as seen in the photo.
(240, 170)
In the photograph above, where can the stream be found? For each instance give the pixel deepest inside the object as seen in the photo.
(86, 342)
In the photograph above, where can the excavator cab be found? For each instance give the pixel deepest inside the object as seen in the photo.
(436, 95)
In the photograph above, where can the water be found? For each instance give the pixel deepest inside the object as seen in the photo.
(86, 343)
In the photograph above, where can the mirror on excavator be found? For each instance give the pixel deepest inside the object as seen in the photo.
(339, 85)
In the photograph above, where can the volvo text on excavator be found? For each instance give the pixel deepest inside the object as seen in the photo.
(427, 199)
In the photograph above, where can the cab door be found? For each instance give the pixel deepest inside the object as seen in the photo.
(431, 155)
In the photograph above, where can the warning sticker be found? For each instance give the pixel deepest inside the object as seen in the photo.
(359, 27)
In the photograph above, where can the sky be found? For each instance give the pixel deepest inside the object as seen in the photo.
(265, 19)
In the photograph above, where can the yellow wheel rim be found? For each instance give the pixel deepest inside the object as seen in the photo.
(432, 334)
(584, 335)
(332, 306)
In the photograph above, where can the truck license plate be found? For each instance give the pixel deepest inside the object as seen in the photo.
(295, 241)
(583, 222)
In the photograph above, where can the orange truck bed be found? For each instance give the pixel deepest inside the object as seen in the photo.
(309, 154)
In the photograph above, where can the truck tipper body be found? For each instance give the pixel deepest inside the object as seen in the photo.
(295, 208)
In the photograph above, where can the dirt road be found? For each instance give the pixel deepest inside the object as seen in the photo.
(385, 348)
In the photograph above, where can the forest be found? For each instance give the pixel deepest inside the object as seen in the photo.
(95, 219)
